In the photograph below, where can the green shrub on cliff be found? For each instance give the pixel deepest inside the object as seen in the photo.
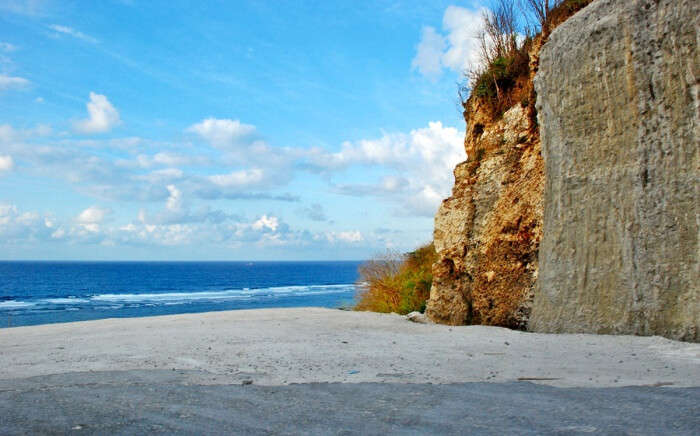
(397, 283)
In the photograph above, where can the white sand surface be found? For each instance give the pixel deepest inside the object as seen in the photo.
(300, 345)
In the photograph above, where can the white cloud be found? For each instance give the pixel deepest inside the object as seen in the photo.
(224, 133)
(240, 178)
(91, 227)
(457, 50)
(90, 219)
(170, 159)
(353, 236)
(434, 147)
(6, 46)
(167, 235)
(102, 116)
(93, 215)
(463, 27)
(161, 176)
(93, 172)
(241, 144)
(411, 171)
(72, 32)
(426, 201)
(22, 226)
(387, 186)
(266, 222)
(423, 161)
(428, 59)
(6, 163)
(388, 149)
(12, 82)
(174, 201)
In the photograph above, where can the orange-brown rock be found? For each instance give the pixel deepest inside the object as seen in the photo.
(487, 233)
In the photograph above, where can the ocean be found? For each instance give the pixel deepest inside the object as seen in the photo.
(50, 292)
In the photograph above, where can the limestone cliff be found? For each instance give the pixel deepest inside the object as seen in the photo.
(619, 110)
(611, 189)
(487, 233)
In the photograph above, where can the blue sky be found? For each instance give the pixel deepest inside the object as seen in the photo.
(227, 130)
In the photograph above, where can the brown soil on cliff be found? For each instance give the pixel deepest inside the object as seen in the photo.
(487, 234)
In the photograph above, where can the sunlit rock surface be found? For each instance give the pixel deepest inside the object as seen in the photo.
(487, 233)
(618, 109)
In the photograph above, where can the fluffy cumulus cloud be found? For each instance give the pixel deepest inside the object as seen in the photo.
(91, 218)
(242, 144)
(123, 175)
(93, 215)
(225, 133)
(174, 202)
(266, 222)
(17, 226)
(92, 227)
(12, 82)
(352, 236)
(456, 48)
(412, 171)
(102, 116)
(422, 161)
(177, 186)
(428, 59)
(258, 165)
(6, 163)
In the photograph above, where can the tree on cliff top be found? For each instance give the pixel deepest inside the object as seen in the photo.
(541, 9)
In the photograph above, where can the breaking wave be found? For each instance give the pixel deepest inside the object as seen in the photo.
(118, 300)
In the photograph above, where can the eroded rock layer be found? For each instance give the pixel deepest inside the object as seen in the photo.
(487, 233)
(618, 106)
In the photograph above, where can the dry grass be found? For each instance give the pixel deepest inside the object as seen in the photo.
(397, 283)
(504, 77)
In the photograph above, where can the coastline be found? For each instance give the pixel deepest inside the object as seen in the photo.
(308, 345)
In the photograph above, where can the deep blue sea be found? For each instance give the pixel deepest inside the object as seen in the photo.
(49, 292)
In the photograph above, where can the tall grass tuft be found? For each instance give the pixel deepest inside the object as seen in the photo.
(397, 282)
(502, 79)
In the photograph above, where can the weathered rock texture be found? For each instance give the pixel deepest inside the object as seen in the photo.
(618, 107)
(487, 233)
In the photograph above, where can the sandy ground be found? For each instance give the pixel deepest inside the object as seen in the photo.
(284, 346)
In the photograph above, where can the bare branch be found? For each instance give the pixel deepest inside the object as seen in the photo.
(541, 9)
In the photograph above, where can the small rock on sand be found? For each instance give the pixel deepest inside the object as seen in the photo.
(418, 317)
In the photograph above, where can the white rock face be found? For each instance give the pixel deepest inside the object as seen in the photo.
(618, 108)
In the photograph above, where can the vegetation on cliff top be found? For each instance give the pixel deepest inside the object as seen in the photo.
(511, 31)
(397, 283)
